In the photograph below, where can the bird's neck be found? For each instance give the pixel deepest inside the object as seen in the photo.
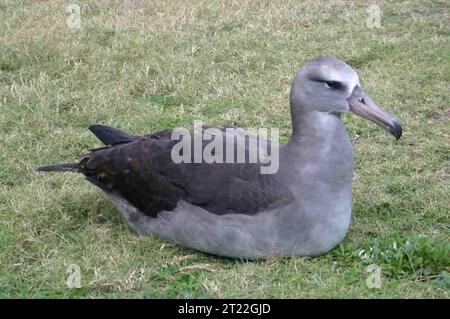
(321, 127)
(320, 147)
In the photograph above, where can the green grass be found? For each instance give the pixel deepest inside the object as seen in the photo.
(144, 66)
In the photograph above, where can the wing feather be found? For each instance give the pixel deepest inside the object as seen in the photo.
(143, 172)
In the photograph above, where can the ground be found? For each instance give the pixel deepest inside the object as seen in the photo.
(146, 66)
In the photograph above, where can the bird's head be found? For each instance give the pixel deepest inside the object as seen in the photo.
(329, 85)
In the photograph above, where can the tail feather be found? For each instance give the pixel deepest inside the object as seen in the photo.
(109, 135)
(72, 167)
(106, 134)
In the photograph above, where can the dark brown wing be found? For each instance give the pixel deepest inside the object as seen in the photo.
(142, 171)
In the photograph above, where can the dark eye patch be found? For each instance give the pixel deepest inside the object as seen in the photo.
(334, 85)
(331, 84)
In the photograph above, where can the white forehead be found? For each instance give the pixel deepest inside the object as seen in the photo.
(343, 74)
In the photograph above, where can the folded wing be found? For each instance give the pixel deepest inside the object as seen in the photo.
(142, 171)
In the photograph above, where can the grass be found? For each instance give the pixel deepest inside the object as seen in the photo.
(144, 66)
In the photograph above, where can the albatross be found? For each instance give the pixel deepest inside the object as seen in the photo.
(232, 209)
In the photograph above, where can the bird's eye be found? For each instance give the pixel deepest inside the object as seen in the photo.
(332, 84)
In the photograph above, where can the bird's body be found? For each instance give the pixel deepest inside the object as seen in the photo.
(231, 209)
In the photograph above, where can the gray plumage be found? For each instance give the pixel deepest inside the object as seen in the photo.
(233, 210)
